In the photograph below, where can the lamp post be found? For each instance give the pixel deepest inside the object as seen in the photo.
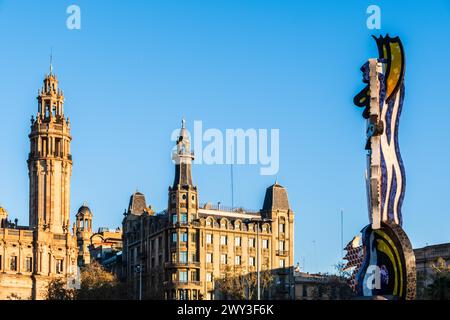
(138, 269)
(257, 262)
(258, 222)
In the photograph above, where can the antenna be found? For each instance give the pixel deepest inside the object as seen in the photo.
(342, 234)
(51, 60)
(232, 179)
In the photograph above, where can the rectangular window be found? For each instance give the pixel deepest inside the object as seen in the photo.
(194, 237)
(29, 264)
(237, 260)
(223, 259)
(194, 275)
(281, 246)
(174, 218)
(281, 227)
(1, 263)
(251, 242)
(209, 277)
(251, 261)
(209, 258)
(223, 240)
(152, 245)
(183, 237)
(183, 218)
(209, 238)
(193, 257)
(13, 263)
(265, 244)
(183, 257)
(282, 263)
(183, 276)
(237, 241)
(59, 266)
(174, 237)
(174, 257)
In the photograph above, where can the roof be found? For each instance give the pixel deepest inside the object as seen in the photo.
(137, 203)
(84, 210)
(276, 198)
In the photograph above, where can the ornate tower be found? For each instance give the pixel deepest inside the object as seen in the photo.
(83, 232)
(182, 210)
(50, 161)
(183, 194)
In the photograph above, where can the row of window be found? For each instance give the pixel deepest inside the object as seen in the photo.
(183, 257)
(183, 218)
(237, 225)
(224, 259)
(186, 294)
(238, 242)
(238, 260)
(183, 237)
(13, 264)
(182, 275)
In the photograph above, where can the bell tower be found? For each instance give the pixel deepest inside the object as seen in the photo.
(183, 193)
(183, 211)
(50, 161)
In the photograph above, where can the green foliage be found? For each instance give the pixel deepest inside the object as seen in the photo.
(237, 285)
(57, 290)
(439, 289)
(96, 284)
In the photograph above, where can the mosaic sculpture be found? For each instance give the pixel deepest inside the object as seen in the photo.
(382, 258)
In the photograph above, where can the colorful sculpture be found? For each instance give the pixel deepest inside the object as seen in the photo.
(382, 258)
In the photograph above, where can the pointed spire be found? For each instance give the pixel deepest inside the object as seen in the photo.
(183, 123)
(51, 61)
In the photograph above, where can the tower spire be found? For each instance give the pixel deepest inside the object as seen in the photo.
(51, 61)
(183, 158)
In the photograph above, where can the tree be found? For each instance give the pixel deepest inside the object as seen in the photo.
(238, 285)
(439, 289)
(332, 287)
(96, 284)
(57, 290)
(99, 284)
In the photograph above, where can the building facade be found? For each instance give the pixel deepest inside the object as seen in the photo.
(426, 257)
(32, 255)
(182, 252)
(103, 246)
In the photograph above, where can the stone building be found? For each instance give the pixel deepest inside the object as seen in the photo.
(101, 245)
(181, 252)
(32, 255)
(428, 256)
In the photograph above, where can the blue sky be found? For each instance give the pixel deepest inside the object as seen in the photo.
(134, 70)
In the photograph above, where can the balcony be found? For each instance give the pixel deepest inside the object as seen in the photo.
(172, 264)
(282, 253)
(182, 283)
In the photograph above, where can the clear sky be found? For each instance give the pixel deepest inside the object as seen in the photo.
(137, 67)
